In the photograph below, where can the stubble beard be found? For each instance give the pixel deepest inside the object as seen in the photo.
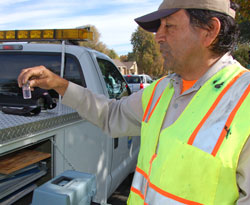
(169, 64)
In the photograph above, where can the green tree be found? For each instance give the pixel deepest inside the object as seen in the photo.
(241, 54)
(112, 54)
(244, 32)
(243, 19)
(129, 57)
(124, 58)
(96, 44)
(146, 53)
(243, 13)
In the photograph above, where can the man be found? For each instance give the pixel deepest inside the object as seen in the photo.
(194, 123)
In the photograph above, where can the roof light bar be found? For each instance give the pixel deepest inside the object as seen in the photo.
(46, 34)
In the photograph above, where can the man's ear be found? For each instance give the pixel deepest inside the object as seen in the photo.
(211, 32)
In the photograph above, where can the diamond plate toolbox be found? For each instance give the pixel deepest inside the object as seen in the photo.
(13, 127)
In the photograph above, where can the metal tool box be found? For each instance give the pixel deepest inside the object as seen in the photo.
(69, 188)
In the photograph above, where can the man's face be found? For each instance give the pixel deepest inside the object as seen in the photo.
(180, 43)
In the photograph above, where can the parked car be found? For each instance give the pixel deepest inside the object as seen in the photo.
(146, 80)
(138, 82)
(134, 82)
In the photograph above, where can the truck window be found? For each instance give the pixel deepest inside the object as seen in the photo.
(13, 62)
(149, 80)
(134, 79)
(116, 85)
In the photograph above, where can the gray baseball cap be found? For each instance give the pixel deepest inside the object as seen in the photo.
(151, 21)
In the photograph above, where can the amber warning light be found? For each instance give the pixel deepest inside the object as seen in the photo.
(46, 34)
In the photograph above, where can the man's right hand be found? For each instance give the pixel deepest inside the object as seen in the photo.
(39, 76)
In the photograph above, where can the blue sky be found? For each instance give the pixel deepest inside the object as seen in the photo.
(114, 19)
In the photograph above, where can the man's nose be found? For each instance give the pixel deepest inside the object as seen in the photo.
(160, 35)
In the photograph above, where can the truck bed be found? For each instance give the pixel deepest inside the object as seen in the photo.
(13, 127)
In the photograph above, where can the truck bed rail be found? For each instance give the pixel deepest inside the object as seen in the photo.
(13, 127)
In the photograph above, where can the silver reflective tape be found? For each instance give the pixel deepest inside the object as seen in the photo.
(206, 139)
(139, 182)
(209, 133)
(158, 91)
(154, 198)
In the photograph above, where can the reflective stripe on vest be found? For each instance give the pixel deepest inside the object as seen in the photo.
(155, 196)
(139, 182)
(199, 138)
(155, 97)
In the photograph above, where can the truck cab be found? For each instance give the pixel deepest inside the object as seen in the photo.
(72, 142)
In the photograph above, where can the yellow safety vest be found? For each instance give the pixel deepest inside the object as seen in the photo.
(194, 160)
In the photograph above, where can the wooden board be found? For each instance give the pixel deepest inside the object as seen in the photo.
(13, 162)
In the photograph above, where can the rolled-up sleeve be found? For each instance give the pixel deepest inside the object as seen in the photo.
(116, 117)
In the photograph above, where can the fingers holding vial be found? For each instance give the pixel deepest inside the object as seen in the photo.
(30, 74)
(27, 77)
(40, 76)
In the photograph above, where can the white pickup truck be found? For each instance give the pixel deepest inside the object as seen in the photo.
(70, 141)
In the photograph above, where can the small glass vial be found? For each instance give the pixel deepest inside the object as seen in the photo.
(26, 91)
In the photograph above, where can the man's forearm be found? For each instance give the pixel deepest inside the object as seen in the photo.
(62, 86)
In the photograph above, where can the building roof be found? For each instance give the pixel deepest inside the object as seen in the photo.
(118, 63)
(128, 64)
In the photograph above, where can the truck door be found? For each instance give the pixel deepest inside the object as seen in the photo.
(124, 155)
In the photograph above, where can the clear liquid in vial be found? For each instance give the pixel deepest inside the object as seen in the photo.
(26, 91)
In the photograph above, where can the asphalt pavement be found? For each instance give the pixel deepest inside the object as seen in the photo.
(120, 196)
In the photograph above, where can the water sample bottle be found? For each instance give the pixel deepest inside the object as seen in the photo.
(26, 91)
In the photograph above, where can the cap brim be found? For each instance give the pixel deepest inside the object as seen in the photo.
(151, 22)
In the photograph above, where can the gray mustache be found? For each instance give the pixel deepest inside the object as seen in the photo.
(164, 48)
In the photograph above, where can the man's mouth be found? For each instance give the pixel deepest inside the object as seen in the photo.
(164, 50)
